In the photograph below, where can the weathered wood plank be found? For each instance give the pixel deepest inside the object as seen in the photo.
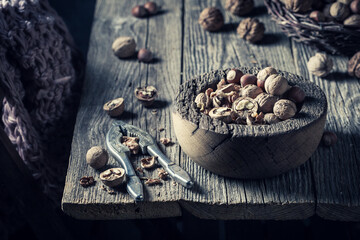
(336, 170)
(108, 77)
(280, 197)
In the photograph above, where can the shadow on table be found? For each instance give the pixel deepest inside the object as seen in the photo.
(340, 76)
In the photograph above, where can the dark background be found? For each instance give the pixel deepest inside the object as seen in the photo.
(78, 15)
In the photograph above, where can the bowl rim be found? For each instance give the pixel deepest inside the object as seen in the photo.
(313, 109)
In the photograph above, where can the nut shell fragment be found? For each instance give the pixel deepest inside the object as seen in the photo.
(113, 177)
(114, 107)
(87, 181)
(148, 162)
(146, 95)
(165, 141)
(132, 143)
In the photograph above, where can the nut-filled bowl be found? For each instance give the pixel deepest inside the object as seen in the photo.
(243, 151)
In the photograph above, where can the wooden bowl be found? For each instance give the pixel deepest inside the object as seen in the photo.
(241, 151)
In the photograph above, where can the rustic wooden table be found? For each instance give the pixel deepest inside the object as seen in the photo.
(327, 185)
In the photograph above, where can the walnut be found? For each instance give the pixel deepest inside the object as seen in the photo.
(263, 75)
(251, 91)
(243, 107)
(200, 101)
(298, 5)
(320, 65)
(124, 47)
(339, 11)
(165, 141)
(114, 107)
(266, 102)
(163, 175)
(132, 143)
(271, 118)
(352, 21)
(251, 29)
(276, 85)
(146, 95)
(87, 181)
(354, 65)
(239, 7)
(284, 109)
(152, 182)
(211, 19)
(255, 119)
(148, 162)
(224, 114)
(97, 157)
(113, 177)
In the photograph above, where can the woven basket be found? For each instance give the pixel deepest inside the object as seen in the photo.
(331, 37)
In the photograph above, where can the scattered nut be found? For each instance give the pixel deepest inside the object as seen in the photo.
(251, 29)
(113, 177)
(233, 76)
(298, 5)
(354, 65)
(320, 65)
(87, 181)
(271, 118)
(266, 102)
(132, 143)
(317, 16)
(165, 141)
(355, 6)
(276, 85)
(163, 175)
(329, 139)
(211, 19)
(296, 94)
(251, 91)
(243, 107)
(145, 55)
(263, 75)
(224, 114)
(200, 101)
(152, 182)
(284, 109)
(124, 47)
(114, 107)
(146, 95)
(339, 11)
(97, 157)
(239, 7)
(352, 21)
(248, 79)
(139, 11)
(151, 7)
(148, 162)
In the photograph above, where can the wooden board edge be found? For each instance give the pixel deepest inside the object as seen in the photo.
(142, 210)
(248, 211)
(337, 212)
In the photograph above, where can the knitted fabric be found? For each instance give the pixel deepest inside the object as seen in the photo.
(39, 72)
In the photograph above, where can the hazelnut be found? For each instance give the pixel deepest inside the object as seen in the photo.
(276, 85)
(211, 19)
(87, 181)
(352, 21)
(139, 11)
(329, 139)
(145, 55)
(354, 65)
(263, 75)
(284, 109)
(132, 143)
(224, 114)
(266, 102)
(355, 6)
(151, 7)
(317, 16)
(200, 101)
(298, 5)
(320, 65)
(239, 7)
(114, 107)
(113, 177)
(270, 118)
(124, 47)
(148, 162)
(248, 79)
(339, 11)
(251, 91)
(251, 30)
(146, 95)
(296, 94)
(97, 157)
(234, 75)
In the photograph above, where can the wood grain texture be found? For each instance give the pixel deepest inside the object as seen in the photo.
(184, 50)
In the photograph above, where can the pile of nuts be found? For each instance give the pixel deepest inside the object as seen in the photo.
(251, 100)
(250, 29)
(342, 11)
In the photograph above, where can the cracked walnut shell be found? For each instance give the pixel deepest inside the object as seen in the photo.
(251, 29)
(211, 19)
(113, 177)
(114, 107)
